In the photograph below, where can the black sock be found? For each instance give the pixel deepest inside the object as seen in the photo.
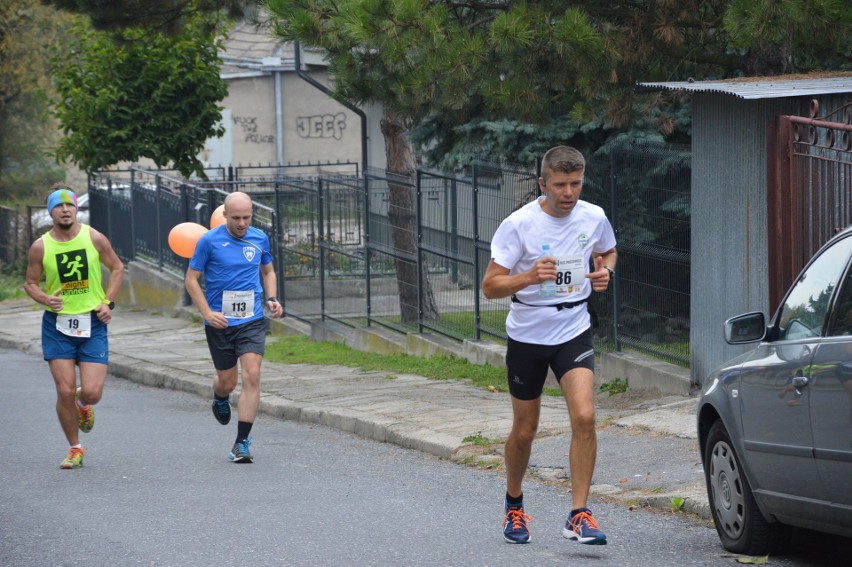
(243, 430)
(513, 501)
(218, 397)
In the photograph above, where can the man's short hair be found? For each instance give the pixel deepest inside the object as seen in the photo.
(564, 159)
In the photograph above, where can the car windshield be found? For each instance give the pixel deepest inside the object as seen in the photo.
(804, 311)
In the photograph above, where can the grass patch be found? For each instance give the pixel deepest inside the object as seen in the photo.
(617, 386)
(295, 349)
(480, 440)
(457, 324)
(11, 284)
(555, 392)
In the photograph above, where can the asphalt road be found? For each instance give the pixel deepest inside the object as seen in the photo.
(156, 489)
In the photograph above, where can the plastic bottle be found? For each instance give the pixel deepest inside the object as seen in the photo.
(547, 287)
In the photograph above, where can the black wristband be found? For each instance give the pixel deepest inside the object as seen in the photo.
(275, 299)
(111, 305)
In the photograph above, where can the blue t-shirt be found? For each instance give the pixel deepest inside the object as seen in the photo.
(232, 265)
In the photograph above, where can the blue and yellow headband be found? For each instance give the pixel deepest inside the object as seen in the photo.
(61, 196)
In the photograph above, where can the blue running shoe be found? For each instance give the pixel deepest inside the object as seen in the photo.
(222, 410)
(515, 528)
(240, 452)
(582, 528)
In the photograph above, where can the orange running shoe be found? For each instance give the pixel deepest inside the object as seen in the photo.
(74, 460)
(85, 417)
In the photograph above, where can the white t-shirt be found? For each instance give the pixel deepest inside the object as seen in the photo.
(516, 245)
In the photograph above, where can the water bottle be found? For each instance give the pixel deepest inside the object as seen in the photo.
(547, 287)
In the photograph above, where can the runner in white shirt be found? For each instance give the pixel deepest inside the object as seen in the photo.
(552, 330)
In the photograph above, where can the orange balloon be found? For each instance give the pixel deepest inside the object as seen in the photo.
(184, 237)
(218, 217)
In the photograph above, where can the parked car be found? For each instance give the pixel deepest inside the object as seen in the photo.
(41, 219)
(775, 424)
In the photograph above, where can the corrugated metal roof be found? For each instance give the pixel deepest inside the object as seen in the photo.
(761, 87)
(251, 47)
(248, 41)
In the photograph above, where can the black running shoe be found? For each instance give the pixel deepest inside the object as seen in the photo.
(222, 411)
(240, 453)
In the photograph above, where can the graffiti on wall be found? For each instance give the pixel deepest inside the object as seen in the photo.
(321, 126)
(249, 129)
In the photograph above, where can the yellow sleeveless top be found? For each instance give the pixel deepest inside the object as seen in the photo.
(75, 268)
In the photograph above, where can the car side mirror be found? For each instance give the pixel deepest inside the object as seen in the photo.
(746, 328)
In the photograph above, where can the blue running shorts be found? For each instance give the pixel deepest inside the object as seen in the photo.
(58, 346)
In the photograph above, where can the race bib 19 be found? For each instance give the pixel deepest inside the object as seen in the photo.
(75, 325)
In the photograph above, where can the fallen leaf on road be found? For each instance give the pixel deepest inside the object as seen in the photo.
(750, 560)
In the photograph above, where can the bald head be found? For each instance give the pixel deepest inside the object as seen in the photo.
(238, 213)
(233, 199)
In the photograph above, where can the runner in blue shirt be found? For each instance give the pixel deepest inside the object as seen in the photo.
(236, 261)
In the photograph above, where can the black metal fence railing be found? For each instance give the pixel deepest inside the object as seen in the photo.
(138, 212)
(650, 199)
(408, 253)
(12, 235)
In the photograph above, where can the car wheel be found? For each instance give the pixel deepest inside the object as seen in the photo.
(739, 522)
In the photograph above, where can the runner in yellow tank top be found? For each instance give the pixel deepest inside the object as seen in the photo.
(73, 268)
(77, 312)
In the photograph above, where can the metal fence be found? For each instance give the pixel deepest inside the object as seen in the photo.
(137, 209)
(408, 253)
(12, 231)
(650, 199)
(809, 190)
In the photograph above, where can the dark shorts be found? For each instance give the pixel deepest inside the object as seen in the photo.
(228, 345)
(527, 364)
(59, 346)
(844, 372)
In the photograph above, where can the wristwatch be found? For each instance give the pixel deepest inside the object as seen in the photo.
(611, 272)
(111, 305)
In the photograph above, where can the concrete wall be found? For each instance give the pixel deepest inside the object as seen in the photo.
(145, 287)
(315, 127)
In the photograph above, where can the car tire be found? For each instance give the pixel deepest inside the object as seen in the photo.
(739, 522)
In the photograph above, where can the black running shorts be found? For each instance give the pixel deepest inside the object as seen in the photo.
(527, 364)
(228, 345)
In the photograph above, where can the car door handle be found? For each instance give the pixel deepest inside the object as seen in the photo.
(800, 382)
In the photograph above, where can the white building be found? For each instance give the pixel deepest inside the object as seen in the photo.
(276, 115)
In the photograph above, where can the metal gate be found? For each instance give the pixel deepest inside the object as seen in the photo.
(809, 189)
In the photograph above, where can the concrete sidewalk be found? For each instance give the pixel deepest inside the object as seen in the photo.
(647, 453)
